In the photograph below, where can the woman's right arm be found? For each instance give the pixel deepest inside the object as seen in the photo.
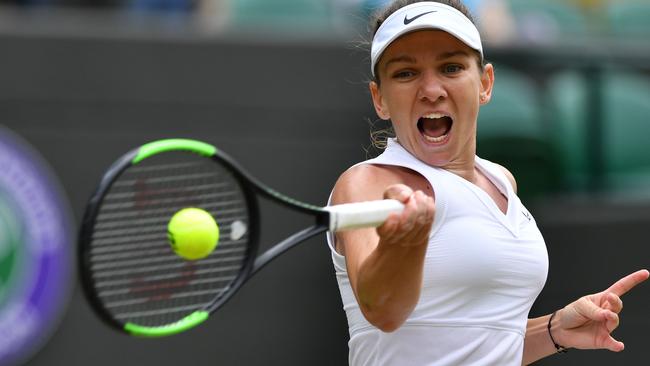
(385, 264)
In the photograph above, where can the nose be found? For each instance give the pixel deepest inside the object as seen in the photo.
(431, 88)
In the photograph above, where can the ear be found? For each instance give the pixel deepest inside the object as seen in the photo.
(378, 101)
(487, 82)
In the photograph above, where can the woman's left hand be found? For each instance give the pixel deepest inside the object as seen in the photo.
(588, 322)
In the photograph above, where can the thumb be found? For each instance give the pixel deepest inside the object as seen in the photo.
(591, 311)
(400, 192)
(613, 345)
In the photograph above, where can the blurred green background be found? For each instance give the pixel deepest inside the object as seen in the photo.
(281, 85)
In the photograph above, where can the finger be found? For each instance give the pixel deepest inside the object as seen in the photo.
(628, 282)
(409, 214)
(398, 226)
(591, 311)
(430, 212)
(398, 192)
(613, 345)
(423, 229)
(389, 227)
(613, 302)
(413, 224)
(419, 232)
(421, 225)
(422, 205)
(428, 208)
(612, 321)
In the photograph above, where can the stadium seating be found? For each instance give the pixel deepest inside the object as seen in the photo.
(306, 15)
(625, 111)
(548, 19)
(629, 18)
(510, 132)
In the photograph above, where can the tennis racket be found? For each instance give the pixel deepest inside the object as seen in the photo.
(134, 280)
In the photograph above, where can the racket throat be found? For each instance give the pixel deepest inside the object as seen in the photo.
(285, 245)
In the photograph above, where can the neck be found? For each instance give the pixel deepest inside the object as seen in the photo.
(464, 165)
(464, 168)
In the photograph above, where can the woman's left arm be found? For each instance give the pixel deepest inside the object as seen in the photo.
(586, 323)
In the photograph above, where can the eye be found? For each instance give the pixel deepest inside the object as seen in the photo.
(403, 74)
(452, 68)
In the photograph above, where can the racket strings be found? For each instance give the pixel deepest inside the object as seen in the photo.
(137, 276)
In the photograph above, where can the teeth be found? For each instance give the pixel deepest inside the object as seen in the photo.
(432, 139)
(435, 139)
(434, 115)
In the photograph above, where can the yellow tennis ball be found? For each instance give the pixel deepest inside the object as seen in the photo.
(193, 233)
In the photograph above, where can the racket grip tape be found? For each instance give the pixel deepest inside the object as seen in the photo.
(361, 214)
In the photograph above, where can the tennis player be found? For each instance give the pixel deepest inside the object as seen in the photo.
(452, 279)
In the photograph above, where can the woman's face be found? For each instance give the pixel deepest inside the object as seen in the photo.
(430, 88)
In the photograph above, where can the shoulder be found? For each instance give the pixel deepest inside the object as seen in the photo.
(365, 182)
(511, 178)
(504, 170)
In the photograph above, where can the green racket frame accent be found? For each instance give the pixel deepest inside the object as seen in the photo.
(159, 146)
(182, 325)
(254, 263)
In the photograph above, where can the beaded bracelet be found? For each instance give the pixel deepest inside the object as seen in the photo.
(560, 349)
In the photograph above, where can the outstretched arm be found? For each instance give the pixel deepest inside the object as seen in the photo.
(385, 265)
(586, 323)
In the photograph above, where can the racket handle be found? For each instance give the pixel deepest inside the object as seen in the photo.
(361, 214)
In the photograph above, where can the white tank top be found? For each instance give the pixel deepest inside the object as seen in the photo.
(482, 273)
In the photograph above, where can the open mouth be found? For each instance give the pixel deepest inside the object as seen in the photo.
(435, 127)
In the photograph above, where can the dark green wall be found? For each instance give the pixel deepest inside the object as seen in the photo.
(296, 115)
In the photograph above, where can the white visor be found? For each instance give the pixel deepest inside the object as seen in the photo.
(420, 16)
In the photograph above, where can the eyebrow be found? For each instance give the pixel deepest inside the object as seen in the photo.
(446, 55)
(411, 60)
(401, 58)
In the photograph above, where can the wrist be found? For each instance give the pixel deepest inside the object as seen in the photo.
(555, 332)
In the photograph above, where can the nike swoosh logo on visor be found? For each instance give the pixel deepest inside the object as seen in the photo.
(407, 20)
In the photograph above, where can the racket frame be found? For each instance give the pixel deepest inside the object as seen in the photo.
(249, 187)
(340, 217)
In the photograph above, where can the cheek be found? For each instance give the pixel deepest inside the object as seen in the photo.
(468, 100)
(398, 103)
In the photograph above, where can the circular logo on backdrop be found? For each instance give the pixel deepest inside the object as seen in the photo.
(35, 250)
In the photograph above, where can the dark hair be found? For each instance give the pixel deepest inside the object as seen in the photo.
(379, 16)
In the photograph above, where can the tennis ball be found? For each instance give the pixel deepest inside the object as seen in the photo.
(193, 233)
